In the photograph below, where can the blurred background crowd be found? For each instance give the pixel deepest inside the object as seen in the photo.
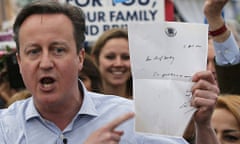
(110, 54)
(175, 10)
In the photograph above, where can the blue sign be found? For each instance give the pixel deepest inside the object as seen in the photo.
(119, 1)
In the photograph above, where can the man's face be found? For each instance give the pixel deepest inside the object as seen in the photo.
(48, 60)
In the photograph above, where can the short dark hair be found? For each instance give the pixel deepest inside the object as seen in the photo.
(75, 14)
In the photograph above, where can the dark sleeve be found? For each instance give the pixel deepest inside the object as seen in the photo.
(228, 78)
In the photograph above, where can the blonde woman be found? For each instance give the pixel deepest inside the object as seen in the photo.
(226, 119)
(111, 54)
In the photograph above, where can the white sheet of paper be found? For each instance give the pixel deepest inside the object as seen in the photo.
(164, 56)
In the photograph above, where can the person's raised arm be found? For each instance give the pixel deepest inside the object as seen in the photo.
(205, 92)
(213, 13)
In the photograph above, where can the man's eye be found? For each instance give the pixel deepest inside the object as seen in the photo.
(231, 138)
(33, 52)
(59, 51)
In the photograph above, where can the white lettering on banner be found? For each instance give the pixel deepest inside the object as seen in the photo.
(85, 3)
(102, 15)
(132, 15)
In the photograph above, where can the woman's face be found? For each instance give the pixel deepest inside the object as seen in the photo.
(226, 126)
(114, 62)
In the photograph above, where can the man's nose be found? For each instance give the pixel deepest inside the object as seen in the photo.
(46, 61)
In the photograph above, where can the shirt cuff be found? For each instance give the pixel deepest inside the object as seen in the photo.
(227, 52)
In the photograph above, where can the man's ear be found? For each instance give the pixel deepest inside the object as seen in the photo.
(19, 61)
(81, 56)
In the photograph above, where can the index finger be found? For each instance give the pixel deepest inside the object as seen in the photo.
(205, 75)
(119, 120)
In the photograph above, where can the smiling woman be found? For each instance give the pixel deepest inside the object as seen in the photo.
(111, 54)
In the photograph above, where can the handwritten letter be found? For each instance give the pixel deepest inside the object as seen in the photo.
(164, 56)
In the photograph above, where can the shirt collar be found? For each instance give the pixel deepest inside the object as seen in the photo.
(88, 107)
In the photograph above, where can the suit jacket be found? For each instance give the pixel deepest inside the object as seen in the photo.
(228, 78)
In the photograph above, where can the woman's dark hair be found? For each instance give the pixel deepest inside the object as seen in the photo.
(92, 72)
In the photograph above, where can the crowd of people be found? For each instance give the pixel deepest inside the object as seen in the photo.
(76, 97)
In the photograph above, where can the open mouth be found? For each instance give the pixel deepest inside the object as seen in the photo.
(47, 81)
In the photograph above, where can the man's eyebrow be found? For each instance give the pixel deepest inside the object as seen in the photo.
(231, 131)
(58, 43)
